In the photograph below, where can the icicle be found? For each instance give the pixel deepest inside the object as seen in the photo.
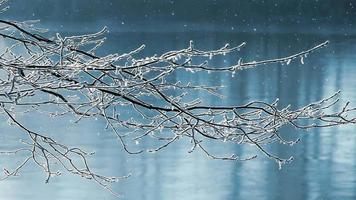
(239, 62)
(288, 61)
(280, 163)
(302, 60)
(210, 56)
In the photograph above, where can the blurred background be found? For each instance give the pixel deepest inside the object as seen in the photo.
(325, 159)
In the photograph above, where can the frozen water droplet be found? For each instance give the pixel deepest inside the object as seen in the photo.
(280, 163)
(302, 60)
(191, 44)
(239, 62)
(210, 56)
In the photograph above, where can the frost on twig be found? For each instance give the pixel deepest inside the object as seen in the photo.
(65, 72)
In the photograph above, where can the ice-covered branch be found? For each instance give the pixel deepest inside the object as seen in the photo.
(66, 72)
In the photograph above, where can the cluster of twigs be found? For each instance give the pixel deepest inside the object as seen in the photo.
(64, 71)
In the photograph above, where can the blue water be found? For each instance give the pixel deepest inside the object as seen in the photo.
(325, 160)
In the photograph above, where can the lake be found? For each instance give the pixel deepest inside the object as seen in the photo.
(324, 165)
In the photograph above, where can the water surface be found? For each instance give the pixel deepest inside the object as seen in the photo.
(325, 159)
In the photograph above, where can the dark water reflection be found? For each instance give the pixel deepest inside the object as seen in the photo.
(325, 160)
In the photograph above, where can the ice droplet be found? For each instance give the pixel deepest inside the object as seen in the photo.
(191, 44)
(239, 62)
(280, 163)
(210, 56)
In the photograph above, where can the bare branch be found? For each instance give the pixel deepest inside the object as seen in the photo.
(66, 73)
